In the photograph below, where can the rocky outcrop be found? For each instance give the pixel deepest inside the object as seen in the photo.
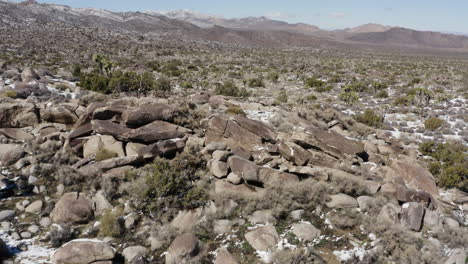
(83, 251)
(185, 249)
(73, 208)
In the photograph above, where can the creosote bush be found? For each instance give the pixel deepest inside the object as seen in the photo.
(370, 118)
(313, 82)
(235, 110)
(433, 123)
(168, 185)
(111, 223)
(451, 165)
(229, 88)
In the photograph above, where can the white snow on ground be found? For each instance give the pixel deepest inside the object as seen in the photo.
(63, 93)
(345, 255)
(263, 116)
(35, 254)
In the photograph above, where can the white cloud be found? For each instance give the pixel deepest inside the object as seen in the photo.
(278, 15)
(338, 14)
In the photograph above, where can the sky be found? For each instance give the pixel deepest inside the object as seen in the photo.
(433, 15)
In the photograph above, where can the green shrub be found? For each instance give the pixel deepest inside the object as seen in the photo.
(186, 85)
(433, 123)
(76, 72)
(169, 184)
(111, 223)
(162, 85)
(95, 82)
(11, 94)
(348, 97)
(273, 76)
(451, 165)
(228, 88)
(382, 94)
(256, 82)
(153, 65)
(234, 110)
(370, 118)
(313, 82)
(281, 98)
(323, 88)
(104, 154)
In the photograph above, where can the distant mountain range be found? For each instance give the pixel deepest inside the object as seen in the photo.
(260, 31)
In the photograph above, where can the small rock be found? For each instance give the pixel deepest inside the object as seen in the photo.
(45, 222)
(263, 238)
(305, 231)
(185, 248)
(25, 235)
(224, 257)
(342, 201)
(34, 208)
(132, 253)
(234, 178)
(7, 215)
(219, 169)
(33, 229)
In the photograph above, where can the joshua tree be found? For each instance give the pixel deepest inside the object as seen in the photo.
(104, 63)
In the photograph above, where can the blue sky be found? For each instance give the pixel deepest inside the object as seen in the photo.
(437, 15)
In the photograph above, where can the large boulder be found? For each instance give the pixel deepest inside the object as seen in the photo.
(156, 131)
(305, 231)
(17, 114)
(244, 168)
(415, 176)
(28, 74)
(412, 215)
(99, 143)
(294, 153)
(329, 142)
(257, 127)
(185, 249)
(404, 194)
(275, 178)
(220, 129)
(10, 153)
(59, 114)
(263, 238)
(389, 214)
(166, 148)
(342, 200)
(108, 127)
(146, 114)
(16, 134)
(73, 208)
(84, 251)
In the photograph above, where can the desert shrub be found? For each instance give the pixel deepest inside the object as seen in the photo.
(415, 81)
(433, 123)
(95, 82)
(379, 86)
(234, 110)
(104, 154)
(357, 87)
(228, 88)
(313, 82)
(76, 71)
(281, 98)
(168, 184)
(382, 94)
(256, 82)
(121, 82)
(348, 97)
(451, 165)
(403, 101)
(112, 223)
(153, 65)
(162, 85)
(273, 76)
(11, 94)
(323, 88)
(172, 69)
(186, 85)
(370, 118)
